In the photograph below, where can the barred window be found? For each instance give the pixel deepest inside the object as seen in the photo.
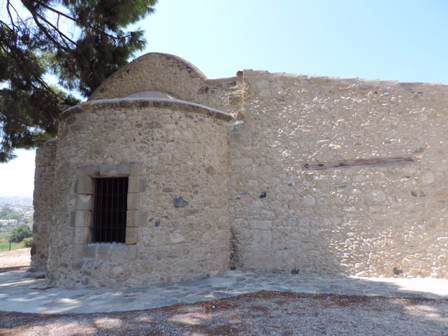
(109, 210)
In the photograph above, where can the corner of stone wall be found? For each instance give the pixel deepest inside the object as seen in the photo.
(236, 135)
(43, 204)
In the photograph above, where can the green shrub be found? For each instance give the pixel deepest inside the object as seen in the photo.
(28, 242)
(20, 232)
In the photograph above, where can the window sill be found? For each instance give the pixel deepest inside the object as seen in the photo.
(106, 251)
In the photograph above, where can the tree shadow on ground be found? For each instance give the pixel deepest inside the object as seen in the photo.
(13, 268)
(261, 313)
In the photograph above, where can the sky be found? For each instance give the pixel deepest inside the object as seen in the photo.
(388, 40)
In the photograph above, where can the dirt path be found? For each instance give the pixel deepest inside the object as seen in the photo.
(263, 313)
(15, 260)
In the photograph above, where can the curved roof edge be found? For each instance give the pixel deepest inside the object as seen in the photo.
(158, 72)
(175, 104)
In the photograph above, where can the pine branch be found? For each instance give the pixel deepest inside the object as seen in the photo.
(15, 119)
(102, 32)
(10, 15)
(18, 54)
(18, 18)
(57, 30)
(44, 29)
(57, 12)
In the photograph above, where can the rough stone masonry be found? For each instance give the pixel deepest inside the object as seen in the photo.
(268, 172)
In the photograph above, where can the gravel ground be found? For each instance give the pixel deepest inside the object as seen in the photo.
(15, 260)
(263, 313)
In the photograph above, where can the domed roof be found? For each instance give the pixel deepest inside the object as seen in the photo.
(151, 95)
(164, 76)
(153, 72)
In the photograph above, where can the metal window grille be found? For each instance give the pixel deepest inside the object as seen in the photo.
(109, 210)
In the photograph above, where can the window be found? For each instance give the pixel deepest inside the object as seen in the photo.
(107, 213)
(110, 210)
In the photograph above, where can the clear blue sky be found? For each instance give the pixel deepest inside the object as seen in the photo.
(402, 40)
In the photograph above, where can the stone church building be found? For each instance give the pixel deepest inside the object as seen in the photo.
(164, 175)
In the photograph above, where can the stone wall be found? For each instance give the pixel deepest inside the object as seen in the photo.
(43, 202)
(340, 176)
(169, 150)
(311, 175)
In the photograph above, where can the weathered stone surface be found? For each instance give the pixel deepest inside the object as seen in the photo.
(177, 154)
(441, 195)
(84, 185)
(83, 218)
(43, 200)
(355, 172)
(134, 184)
(375, 196)
(131, 235)
(322, 175)
(176, 238)
(84, 202)
(133, 201)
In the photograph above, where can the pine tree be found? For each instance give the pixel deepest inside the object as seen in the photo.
(79, 42)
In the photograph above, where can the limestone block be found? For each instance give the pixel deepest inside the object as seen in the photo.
(82, 235)
(134, 184)
(124, 169)
(143, 184)
(132, 218)
(71, 220)
(87, 172)
(84, 185)
(83, 218)
(427, 178)
(103, 251)
(84, 202)
(123, 252)
(133, 201)
(131, 235)
(308, 200)
(89, 251)
(78, 251)
(111, 170)
(176, 238)
(103, 248)
(375, 196)
(253, 183)
(131, 251)
(164, 158)
(142, 218)
(117, 270)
